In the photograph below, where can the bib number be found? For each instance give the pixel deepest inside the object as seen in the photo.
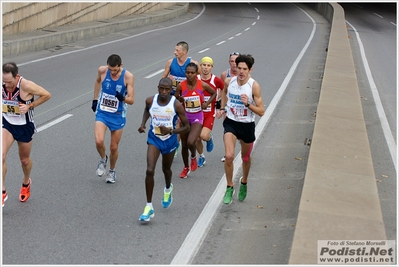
(11, 108)
(109, 103)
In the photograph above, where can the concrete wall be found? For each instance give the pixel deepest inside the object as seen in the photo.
(339, 198)
(15, 44)
(29, 16)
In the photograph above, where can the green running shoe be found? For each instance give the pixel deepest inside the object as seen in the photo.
(228, 196)
(243, 191)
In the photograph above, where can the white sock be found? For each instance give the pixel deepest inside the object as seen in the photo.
(202, 155)
(149, 204)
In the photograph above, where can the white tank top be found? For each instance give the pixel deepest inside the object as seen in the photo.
(235, 108)
(162, 115)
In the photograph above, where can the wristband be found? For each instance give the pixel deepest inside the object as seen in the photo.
(247, 105)
(171, 131)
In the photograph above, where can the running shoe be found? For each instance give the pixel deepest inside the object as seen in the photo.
(102, 166)
(5, 197)
(194, 164)
(209, 144)
(24, 194)
(223, 159)
(111, 177)
(201, 161)
(228, 196)
(167, 197)
(243, 191)
(185, 172)
(177, 150)
(147, 214)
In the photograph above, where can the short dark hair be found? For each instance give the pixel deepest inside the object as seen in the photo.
(192, 64)
(183, 44)
(247, 59)
(166, 81)
(114, 60)
(10, 67)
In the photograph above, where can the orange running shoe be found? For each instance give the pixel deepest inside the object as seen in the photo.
(194, 164)
(5, 197)
(185, 172)
(24, 194)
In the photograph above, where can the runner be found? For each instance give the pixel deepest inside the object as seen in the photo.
(191, 93)
(113, 91)
(230, 72)
(209, 113)
(175, 69)
(18, 124)
(162, 139)
(241, 100)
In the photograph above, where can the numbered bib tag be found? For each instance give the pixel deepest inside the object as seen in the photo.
(209, 107)
(240, 113)
(109, 103)
(176, 80)
(192, 104)
(11, 108)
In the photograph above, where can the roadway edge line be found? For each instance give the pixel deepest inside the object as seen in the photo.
(198, 232)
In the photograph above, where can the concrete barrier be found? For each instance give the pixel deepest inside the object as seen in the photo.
(339, 198)
(40, 40)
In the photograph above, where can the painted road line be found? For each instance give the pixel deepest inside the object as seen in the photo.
(54, 122)
(380, 109)
(155, 73)
(201, 227)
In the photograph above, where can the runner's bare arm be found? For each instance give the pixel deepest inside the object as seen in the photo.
(32, 89)
(146, 114)
(167, 68)
(97, 84)
(129, 81)
(184, 125)
(258, 108)
(211, 91)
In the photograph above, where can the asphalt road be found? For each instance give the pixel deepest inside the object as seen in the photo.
(375, 25)
(74, 217)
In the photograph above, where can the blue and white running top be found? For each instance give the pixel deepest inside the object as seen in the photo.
(107, 102)
(162, 115)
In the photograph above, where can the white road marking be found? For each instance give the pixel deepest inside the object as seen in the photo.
(54, 122)
(198, 232)
(155, 73)
(114, 41)
(202, 51)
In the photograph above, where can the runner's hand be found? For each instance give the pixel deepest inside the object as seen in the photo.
(94, 105)
(119, 96)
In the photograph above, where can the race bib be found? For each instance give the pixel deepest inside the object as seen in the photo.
(11, 108)
(240, 114)
(209, 107)
(109, 103)
(192, 104)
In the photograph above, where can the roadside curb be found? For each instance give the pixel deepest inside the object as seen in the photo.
(44, 39)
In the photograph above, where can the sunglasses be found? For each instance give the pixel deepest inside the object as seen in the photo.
(235, 53)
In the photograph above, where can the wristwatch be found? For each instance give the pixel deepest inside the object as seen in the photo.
(171, 131)
(247, 105)
(30, 106)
